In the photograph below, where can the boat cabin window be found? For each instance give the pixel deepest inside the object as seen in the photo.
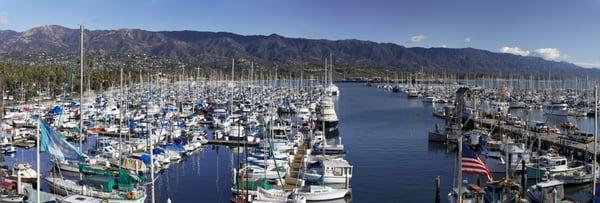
(338, 172)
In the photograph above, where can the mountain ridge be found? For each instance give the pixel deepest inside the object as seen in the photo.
(217, 48)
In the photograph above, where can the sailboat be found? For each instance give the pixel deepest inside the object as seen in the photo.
(321, 193)
(331, 88)
(273, 196)
(99, 186)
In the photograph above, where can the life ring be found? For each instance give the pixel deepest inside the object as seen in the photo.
(130, 195)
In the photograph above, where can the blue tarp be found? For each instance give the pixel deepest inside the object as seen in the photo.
(158, 151)
(55, 111)
(145, 158)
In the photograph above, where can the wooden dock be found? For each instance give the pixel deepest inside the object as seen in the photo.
(548, 139)
(232, 143)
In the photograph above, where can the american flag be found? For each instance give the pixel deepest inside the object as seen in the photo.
(471, 163)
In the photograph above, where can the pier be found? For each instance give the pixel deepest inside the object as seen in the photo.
(548, 139)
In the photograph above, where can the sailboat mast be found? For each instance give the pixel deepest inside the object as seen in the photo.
(325, 74)
(80, 92)
(151, 162)
(251, 81)
(232, 80)
(330, 69)
(37, 159)
(121, 119)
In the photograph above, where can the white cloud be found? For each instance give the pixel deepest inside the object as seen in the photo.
(588, 65)
(514, 50)
(468, 40)
(545, 53)
(417, 38)
(548, 53)
(444, 46)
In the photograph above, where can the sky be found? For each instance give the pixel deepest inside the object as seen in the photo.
(559, 30)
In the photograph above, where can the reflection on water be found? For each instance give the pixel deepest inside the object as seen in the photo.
(384, 133)
(574, 192)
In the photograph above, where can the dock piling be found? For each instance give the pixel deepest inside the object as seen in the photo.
(437, 189)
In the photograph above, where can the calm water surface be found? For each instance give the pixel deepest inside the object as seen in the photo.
(385, 135)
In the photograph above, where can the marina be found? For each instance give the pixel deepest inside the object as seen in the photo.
(546, 149)
(214, 162)
(271, 101)
(281, 135)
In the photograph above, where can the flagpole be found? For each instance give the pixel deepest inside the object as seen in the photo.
(595, 143)
(459, 181)
(38, 184)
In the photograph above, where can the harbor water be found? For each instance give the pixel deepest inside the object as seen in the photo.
(385, 135)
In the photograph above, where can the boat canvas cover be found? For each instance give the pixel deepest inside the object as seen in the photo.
(253, 184)
(55, 144)
(134, 164)
(55, 111)
(107, 183)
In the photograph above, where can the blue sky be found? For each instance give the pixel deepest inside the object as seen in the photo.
(559, 30)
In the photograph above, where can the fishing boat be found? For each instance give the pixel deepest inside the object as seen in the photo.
(327, 120)
(498, 155)
(329, 171)
(550, 165)
(471, 193)
(503, 190)
(557, 109)
(575, 177)
(551, 191)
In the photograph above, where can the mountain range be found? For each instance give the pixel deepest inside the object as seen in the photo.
(218, 48)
